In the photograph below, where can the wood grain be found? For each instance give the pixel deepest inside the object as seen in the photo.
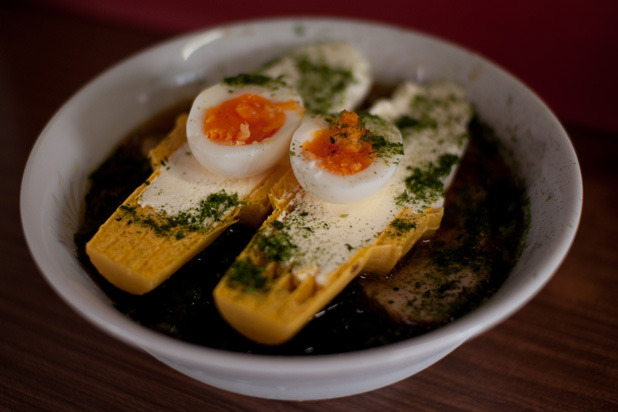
(559, 353)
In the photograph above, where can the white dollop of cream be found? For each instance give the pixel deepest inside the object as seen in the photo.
(183, 182)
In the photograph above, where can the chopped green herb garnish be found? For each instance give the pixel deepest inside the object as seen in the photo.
(214, 206)
(243, 273)
(277, 224)
(299, 30)
(425, 184)
(320, 82)
(402, 226)
(275, 246)
(252, 79)
(423, 122)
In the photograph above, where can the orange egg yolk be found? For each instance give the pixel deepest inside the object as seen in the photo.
(342, 149)
(245, 119)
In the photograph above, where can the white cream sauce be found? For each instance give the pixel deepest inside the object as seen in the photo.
(183, 182)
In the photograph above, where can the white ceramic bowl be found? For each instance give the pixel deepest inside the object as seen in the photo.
(86, 128)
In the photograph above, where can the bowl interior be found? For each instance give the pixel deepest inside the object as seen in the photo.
(87, 127)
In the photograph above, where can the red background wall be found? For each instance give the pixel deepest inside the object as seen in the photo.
(567, 51)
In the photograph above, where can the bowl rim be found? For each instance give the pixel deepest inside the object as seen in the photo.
(472, 324)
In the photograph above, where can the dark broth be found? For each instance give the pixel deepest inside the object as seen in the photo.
(183, 306)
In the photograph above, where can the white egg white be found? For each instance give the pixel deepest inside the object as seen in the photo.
(241, 160)
(333, 188)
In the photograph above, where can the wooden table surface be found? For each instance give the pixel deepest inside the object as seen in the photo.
(559, 353)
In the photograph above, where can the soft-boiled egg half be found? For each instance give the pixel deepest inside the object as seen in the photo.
(242, 126)
(346, 157)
